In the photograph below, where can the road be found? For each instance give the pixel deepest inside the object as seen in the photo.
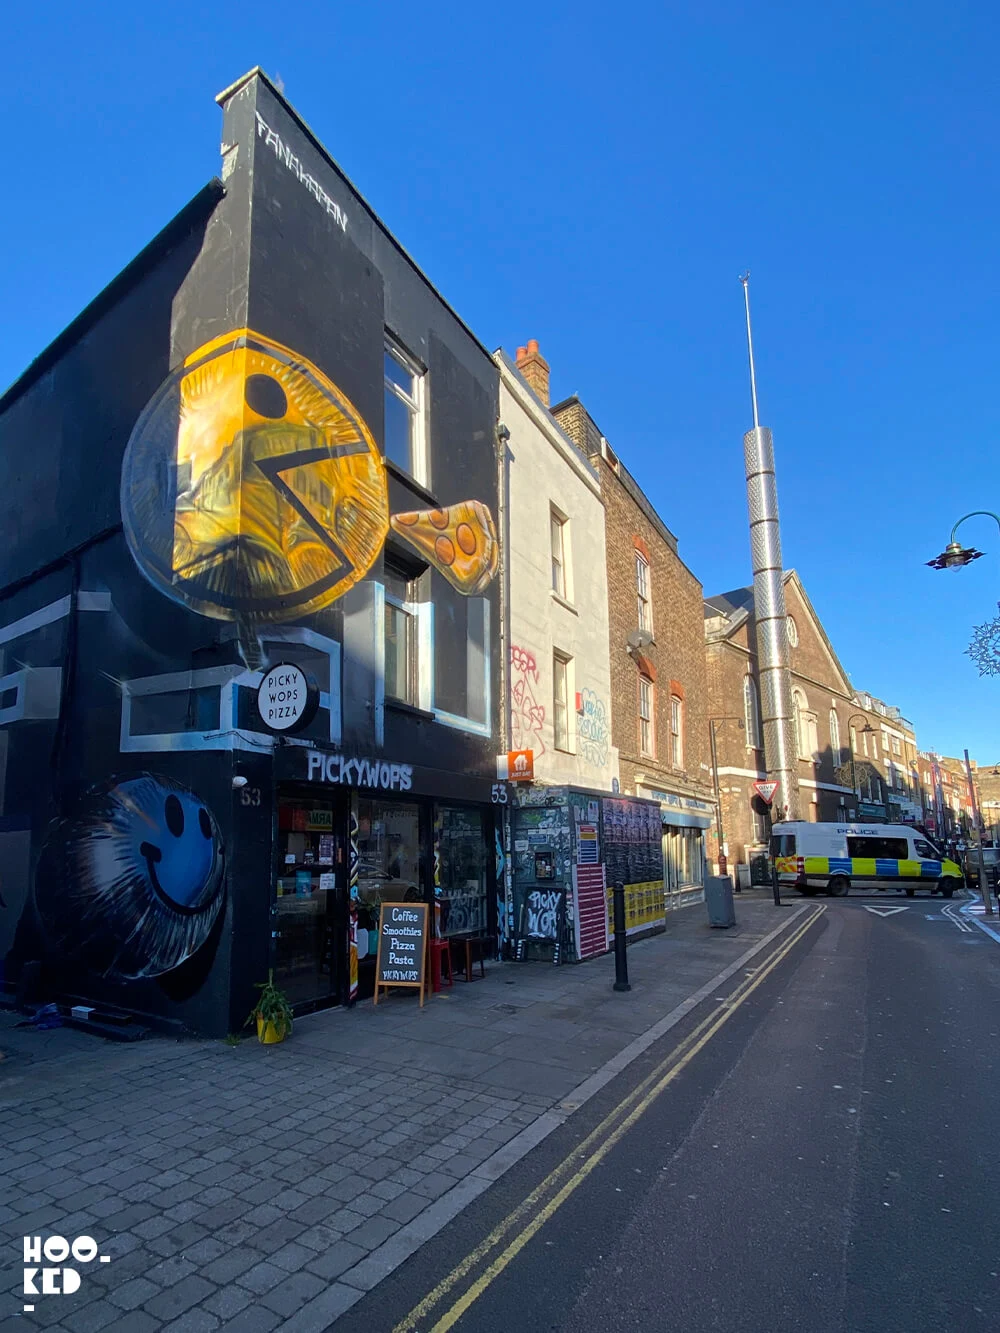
(814, 1149)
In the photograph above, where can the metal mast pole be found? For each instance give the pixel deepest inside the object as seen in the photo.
(780, 746)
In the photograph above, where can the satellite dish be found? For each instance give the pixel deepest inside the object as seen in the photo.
(638, 639)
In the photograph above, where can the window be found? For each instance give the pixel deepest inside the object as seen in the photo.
(801, 729)
(560, 700)
(888, 849)
(460, 883)
(676, 732)
(751, 712)
(646, 740)
(645, 606)
(854, 740)
(404, 393)
(783, 844)
(835, 736)
(171, 712)
(557, 530)
(459, 691)
(793, 632)
(895, 745)
(684, 858)
(388, 841)
(400, 637)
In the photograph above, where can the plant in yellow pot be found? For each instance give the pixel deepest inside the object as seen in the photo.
(272, 1013)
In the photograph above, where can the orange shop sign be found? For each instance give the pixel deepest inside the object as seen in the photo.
(520, 765)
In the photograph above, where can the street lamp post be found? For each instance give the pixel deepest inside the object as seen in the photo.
(866, 730)
(984, 884)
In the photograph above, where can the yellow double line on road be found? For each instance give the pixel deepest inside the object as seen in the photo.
(528, 1218)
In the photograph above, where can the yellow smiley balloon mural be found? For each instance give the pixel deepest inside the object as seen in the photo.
(252, 490)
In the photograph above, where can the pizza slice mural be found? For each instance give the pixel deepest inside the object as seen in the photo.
(460, 542)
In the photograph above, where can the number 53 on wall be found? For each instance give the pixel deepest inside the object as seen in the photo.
(498, 795)
(250, 795)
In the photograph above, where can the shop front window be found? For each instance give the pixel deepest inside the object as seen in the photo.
(684, 858)
(460, 881)
(388, 853)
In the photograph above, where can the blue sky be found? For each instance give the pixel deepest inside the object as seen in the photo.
(597, 179)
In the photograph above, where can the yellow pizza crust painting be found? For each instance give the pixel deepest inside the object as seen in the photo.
(252, 490)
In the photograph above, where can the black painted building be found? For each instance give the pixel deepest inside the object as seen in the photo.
(269, 444)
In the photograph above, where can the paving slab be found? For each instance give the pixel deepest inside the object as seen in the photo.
(241, 1187)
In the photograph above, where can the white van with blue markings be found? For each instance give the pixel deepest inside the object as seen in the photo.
(833, 858)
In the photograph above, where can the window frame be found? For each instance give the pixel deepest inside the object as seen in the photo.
(646, 725)
(415, 404)
(561, 665)
(751, 713)
(558, 522)
(792, 631)
(643, 592)
(411, 609)
(799, 705)
(676, 731)
(836, 748)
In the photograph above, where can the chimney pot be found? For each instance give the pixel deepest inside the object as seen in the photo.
(535, 370)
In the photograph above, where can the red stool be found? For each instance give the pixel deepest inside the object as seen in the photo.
(440, 953)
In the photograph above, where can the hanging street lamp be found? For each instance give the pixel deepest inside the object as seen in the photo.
(955, 555)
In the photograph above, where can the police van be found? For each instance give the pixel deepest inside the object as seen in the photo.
(833, 857)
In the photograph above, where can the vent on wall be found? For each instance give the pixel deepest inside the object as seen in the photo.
(609, 455)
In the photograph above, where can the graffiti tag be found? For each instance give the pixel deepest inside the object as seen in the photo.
(527, 714)
(543, 913)
(593, 729)
(283, 153)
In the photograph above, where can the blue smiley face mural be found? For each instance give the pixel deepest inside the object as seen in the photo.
(132, 885)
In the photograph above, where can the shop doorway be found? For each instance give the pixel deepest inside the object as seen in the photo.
(310, 911)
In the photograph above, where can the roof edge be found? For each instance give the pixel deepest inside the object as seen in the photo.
(328, 157)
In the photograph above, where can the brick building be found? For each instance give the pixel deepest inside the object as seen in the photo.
(987, 780)
(659, 713)
(824, 701)
(947, 801)
(886, 769)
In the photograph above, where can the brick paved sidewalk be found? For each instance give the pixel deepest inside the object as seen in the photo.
(250, 1188)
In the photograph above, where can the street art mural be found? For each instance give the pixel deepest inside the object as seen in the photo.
(594, 729)
(132, 884)
(252, 491)
(503, 930)
(527, 715)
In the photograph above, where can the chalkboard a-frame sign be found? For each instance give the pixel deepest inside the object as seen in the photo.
(402, 947)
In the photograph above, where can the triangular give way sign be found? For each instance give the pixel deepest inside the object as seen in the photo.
(766, 790)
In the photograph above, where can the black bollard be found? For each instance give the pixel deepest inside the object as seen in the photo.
(621, 941)
(775, 886)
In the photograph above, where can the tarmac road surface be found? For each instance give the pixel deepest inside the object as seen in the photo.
(813, 1148)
